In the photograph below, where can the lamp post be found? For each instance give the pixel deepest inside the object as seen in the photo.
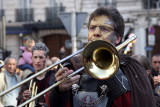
(1, 29)
(148, 11)
(1, 15)
(3, 33)
(73, 33)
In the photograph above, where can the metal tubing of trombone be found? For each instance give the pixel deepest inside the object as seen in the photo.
(49, 88)
(42, 71)
(126, 42)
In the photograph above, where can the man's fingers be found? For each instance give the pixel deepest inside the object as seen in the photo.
(27, 94)
(75, 82)
(74, 78)
(68, 83)
(63, 75)
(61, 71)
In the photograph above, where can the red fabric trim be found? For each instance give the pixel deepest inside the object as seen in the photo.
(68, 104)
(123, 101)
(47, 99)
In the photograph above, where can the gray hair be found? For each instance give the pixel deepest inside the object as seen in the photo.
(41, 46)
(9, 58)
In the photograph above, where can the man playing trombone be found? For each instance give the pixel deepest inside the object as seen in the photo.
(39, 83)
(129, 87)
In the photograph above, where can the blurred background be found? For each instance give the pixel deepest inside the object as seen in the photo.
(62, 24)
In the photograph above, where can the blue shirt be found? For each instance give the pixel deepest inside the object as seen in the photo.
(10, 99)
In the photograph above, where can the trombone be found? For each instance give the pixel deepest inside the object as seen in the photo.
(94, 60)
(33, 88)
(38, 73)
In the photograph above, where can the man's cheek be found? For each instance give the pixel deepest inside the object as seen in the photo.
(111, 37)
(89, 36)
(105, 37)
(34, 62)
(43, 62)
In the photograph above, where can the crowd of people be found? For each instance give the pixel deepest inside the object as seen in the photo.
(135, 83)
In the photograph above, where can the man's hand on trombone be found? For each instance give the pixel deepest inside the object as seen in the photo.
(63, 73)
(26, 95)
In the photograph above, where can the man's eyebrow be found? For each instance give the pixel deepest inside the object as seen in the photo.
(109, 22)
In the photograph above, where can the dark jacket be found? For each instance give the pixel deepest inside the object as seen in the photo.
(154, 73)
(141, 90)
(42, 85)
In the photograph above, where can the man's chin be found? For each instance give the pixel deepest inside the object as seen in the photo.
(38, 70)
(91, 40)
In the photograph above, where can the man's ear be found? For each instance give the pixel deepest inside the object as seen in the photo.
(118, 39)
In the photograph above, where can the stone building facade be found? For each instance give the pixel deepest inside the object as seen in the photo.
(39, 19)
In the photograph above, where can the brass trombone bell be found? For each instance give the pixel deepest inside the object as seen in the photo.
(100, 59)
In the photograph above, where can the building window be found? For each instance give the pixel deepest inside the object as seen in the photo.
(107, 2)
(25, 12)
(25, 3)
(151, 4)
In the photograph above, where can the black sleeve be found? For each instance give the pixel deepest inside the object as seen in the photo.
(56, 98)
(23, 87)
(59, 99)
(141, 90)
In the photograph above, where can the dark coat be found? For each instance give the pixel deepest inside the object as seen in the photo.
(141, 90)
(41, 84)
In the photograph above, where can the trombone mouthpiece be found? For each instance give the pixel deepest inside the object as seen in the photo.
(132, 35)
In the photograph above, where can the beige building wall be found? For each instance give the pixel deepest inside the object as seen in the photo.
(128, 8)
(10, 6)
(13, 45)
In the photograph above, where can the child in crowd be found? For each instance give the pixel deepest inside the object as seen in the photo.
(25, 61)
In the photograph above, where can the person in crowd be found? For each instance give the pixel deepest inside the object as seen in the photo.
(62, 52)
(8, 79)
(43, 81)
(147, 66)
(55, 59)
(155, 65)
(2, 81)
(155, 71)
(48, 63)
(25, 61)
(129, 87)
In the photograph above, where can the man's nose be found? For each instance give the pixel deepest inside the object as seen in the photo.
(97, 35)
(97, 32)
(158, 64)
(37, 60)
